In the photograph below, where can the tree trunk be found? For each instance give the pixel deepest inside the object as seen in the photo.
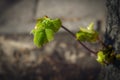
(112, 37)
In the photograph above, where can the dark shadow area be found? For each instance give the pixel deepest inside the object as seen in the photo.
(49, 69)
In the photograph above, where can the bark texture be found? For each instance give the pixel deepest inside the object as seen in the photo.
(112, 37)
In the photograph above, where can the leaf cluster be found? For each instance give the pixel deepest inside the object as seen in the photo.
(87, 34)
(44, 30)
(106, 55)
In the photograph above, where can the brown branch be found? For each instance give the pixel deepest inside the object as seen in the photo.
(71, 33)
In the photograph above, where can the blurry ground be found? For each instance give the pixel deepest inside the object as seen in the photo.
(63, 58)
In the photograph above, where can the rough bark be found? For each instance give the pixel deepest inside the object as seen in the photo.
(112, 37)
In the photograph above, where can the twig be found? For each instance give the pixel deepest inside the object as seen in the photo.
(78, 40)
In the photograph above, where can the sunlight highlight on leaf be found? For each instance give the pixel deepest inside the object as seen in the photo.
(101, 57)
(87, 34)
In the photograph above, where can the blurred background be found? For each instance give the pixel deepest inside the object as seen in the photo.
(61, 59)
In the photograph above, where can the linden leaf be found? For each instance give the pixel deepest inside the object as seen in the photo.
(49, 34)
(101, 57)
(57, 24)
(40, 38)
(44, 30)
(106, 56)
(91, 26)
(87, 34)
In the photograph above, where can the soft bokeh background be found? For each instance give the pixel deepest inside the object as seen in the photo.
(61, 59)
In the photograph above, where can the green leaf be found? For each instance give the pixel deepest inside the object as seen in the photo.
(91, 26)
(101, 57)
(57, 24)
(40, 38)
(106, 55)
(44, 30)
(87, 34)
(49, 34)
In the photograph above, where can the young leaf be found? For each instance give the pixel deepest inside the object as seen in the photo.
(101, 57)
(57, 24)
(91, 26)
(40, 38)
(106, 55)
(44, 30)
(49, 34)
(87, 34)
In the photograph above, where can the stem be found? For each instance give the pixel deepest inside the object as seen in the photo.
(78, 40)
